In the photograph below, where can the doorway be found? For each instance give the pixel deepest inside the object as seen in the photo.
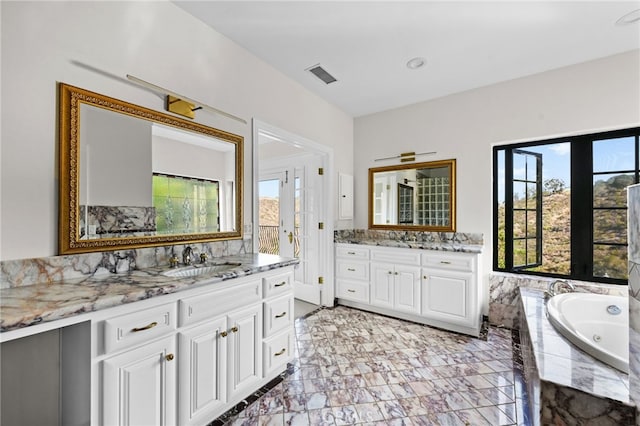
(292, 215)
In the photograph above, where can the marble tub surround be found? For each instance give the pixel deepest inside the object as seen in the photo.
(445, 241)
(633, 201)
(566, 385)
(504, 295)
(23, 272)
(24, 306)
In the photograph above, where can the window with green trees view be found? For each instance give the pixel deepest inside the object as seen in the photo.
(185, 205)
(560, 206)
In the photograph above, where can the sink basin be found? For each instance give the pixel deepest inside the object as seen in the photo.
(197, 270)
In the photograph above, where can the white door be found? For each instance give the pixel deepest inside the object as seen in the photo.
(289, 203)
(307, 196)
(202, 372)
(276, 219)
(139, 386)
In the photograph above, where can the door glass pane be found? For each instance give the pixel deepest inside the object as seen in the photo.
(269, 216)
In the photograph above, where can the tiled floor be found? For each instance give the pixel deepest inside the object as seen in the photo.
(357, 367)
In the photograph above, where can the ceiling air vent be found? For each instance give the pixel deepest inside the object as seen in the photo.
(322, 74)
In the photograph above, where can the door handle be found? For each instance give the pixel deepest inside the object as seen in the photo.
(290, 237)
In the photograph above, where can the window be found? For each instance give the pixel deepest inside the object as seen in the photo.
(186, 205)
(560, 206)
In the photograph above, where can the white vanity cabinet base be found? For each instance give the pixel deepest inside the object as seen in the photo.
(198, 353)
(435, 288)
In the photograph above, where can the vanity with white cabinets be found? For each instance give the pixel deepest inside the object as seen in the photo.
(438, 288)
(184, 357)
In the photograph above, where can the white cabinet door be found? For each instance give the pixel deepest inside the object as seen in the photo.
(245, 352)
(382, 279)
(407, 289)
(202, 372)
(139, 386)
(446, 296)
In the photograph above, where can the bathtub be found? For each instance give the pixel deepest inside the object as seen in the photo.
(598, 324)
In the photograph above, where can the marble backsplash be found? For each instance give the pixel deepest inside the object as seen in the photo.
(453, 241)
(22, 272)
(633, 201)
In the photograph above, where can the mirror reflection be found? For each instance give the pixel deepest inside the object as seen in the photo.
(419, 196)
(143, 177)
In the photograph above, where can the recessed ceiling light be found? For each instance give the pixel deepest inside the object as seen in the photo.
(415, 63)
(632, 17)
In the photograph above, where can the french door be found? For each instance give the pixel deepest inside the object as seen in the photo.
(288, 221)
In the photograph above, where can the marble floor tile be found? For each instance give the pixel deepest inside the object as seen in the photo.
(355, 367)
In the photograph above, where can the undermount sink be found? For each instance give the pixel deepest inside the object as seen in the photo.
(197, 270)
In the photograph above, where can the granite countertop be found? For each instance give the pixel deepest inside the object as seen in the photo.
(560, 362)
(39, 303)
(421, 245)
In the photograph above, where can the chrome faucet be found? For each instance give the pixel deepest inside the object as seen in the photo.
(186, 255)
(559, 287)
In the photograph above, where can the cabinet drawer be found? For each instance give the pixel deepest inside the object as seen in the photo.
(450, 261)
(397, 255)
(209, 305)
(278, 315)
(353, 290)
(351, 252)
(135, 328)
(277, 284)
(352, 270)
(277, 351)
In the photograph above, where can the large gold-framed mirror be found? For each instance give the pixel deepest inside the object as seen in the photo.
(415, 197)
(134, 177)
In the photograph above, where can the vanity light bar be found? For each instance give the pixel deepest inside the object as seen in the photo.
(406, 156)
(177, 102)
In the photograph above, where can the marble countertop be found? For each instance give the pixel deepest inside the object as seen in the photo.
(437, 246)
(39, 303)
(560, 362)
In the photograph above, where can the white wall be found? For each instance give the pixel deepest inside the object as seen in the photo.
(155, 41)
(597, 95)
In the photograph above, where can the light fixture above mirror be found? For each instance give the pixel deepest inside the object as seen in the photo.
(134, 177)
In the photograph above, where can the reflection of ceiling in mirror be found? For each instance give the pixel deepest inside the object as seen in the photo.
(191, 138)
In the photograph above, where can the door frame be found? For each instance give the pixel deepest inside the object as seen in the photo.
(327, 209)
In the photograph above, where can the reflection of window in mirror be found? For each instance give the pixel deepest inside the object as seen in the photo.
(185, 205)
(405, 203)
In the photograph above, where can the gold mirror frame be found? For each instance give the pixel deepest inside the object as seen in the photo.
(449, 164)
(70, 99)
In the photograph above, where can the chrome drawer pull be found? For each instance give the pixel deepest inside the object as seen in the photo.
(351, 252)
(281, 315)
(146, 327)
(280, 352)
(351, 291)
(444, 262)
(351, 269)
(280, 284)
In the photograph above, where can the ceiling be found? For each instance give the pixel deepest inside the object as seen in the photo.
(365, 45)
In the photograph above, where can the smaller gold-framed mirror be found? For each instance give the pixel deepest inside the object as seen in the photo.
(134, 177)
(413, 197)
